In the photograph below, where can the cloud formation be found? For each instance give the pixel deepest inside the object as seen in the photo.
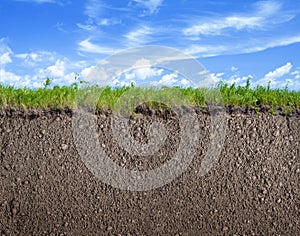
(279, 72)
(87, 46)
(139, 36)
(152, 6)
(265, 13)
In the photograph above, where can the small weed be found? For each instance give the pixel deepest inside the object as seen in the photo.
(288, 111)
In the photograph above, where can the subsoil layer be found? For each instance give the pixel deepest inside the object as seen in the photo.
(253, 188)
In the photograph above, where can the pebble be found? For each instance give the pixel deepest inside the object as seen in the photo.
(276, 133)
(64, 146)
(279, 200)
(265, 192)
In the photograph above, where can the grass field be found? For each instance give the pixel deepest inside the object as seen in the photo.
(227, 95)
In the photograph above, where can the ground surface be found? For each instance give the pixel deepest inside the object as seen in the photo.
(253, 189)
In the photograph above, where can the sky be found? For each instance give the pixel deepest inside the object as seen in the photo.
(233, 40)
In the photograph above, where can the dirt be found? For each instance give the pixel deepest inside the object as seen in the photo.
(253, 189)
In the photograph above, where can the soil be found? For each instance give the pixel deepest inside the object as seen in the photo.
(253, 189)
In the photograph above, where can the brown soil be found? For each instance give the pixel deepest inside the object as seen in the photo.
(253, 189)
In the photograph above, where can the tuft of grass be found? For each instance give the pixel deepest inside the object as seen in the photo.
(126, 96)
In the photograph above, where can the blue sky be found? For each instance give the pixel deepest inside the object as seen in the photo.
(232, 39)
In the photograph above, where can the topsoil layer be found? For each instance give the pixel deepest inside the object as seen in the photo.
(253, 189)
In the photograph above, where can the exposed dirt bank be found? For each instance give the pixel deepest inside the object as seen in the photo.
(253, 189)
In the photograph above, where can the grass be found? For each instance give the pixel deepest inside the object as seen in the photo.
(69, 96)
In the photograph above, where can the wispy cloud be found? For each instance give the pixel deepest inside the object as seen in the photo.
(241, 48)
(233, 69)
(60, 2)
(205, 50)
(87, 46)
(37, 1)
(87, 26)
(216, 27)
(60, 27)
(265, 13)
(35, 58)
(139, 36)
(95, 10)
(272, 43)
(151, 6)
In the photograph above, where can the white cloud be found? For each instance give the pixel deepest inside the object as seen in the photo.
(8, 77)
(238, 80)
(272, 44)
(108, 21)
(56, 70)
(60, 27)
(264, 14)
(5, 58)
(152, 6)
(143, 73)
(279, 72)
(139, 37)
(87, 46)
(87, 26)
(275, 77)
(39, 1)
(267, 8)
(247, 47)
(205, 50)
(66, 79)
(5, 52)
(168, 79)
(296, 74)
(216, 27)
(142, 62)
(233, 69)
(142, 70)
(93, 9)
(185, 82)
(216, 77)
(86, 71)
(32, 58)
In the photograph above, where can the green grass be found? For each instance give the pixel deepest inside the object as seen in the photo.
(69, 96)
